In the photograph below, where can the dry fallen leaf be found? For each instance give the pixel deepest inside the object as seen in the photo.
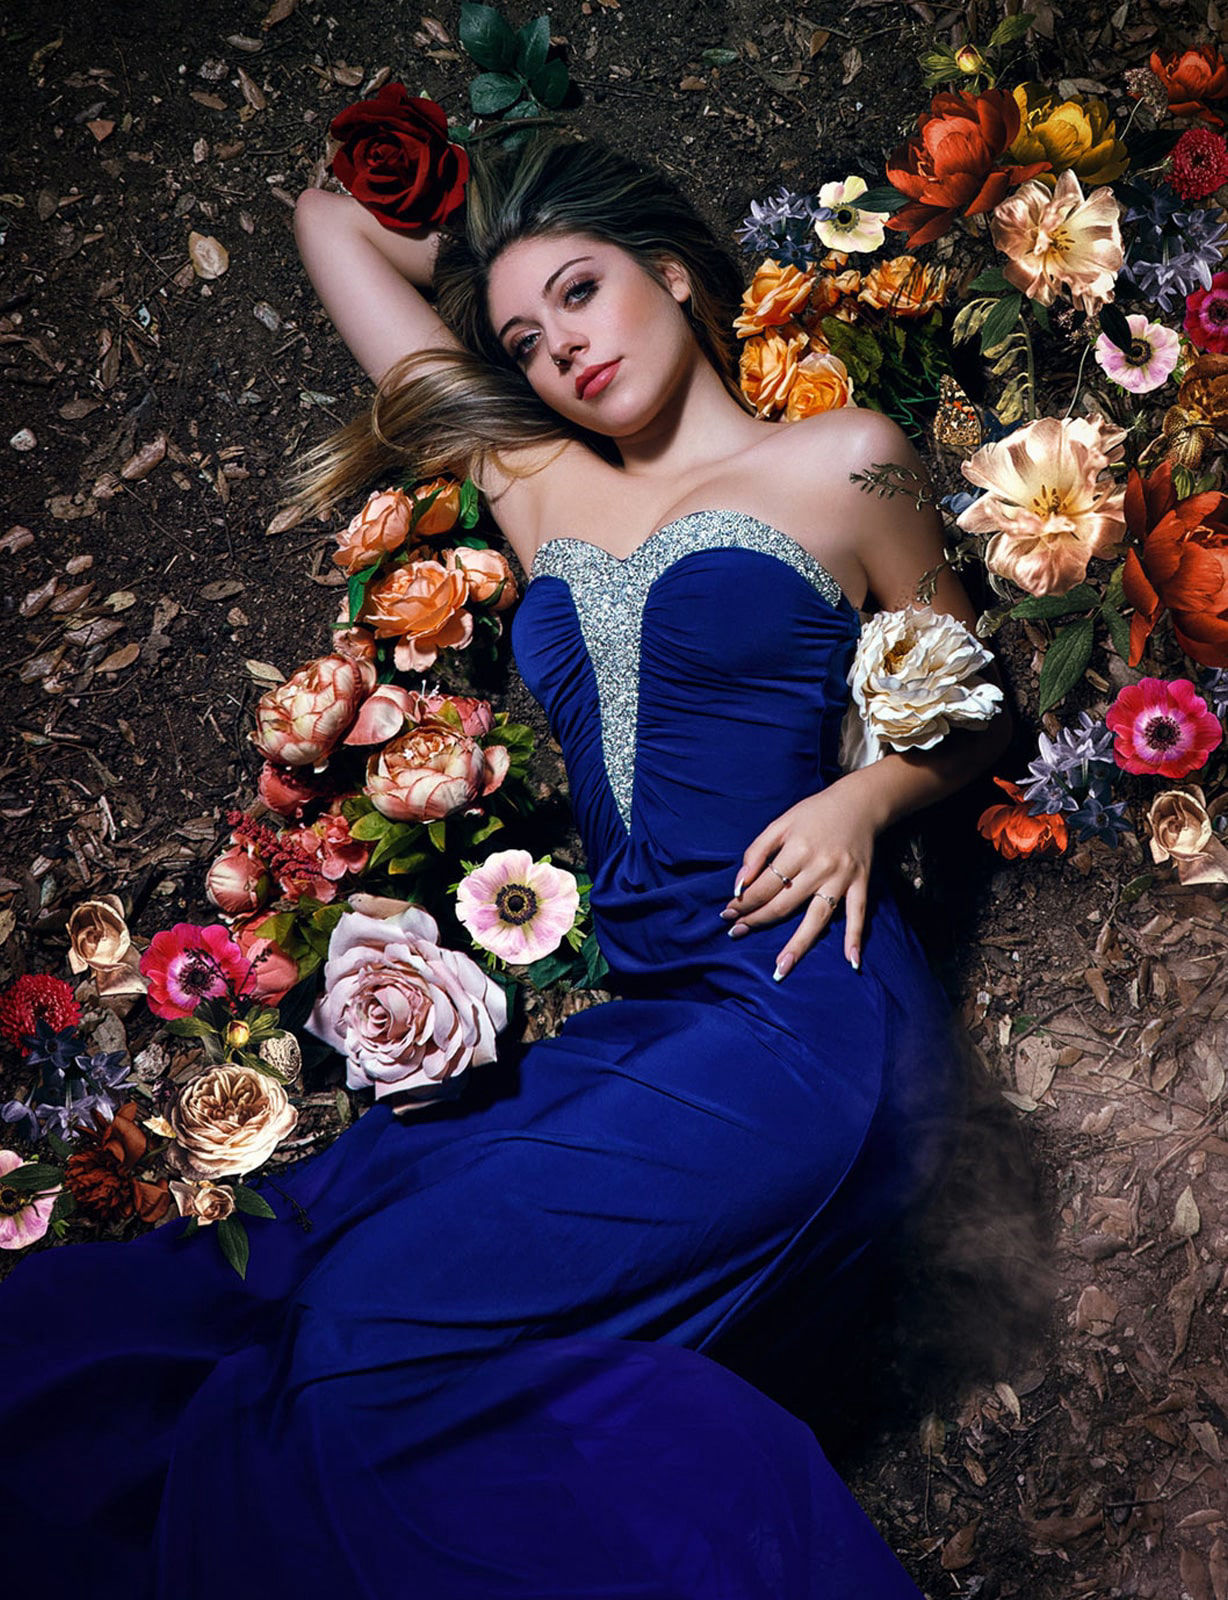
(120, 600)
(957, 1551)
(1096, 1311)
(101, 128)
(288, 517)
(119, 659)
(818, 39)
(17, 538)
(145, 460)
(210, 258)
(223, 589)
(252, 92)
(851, 62)
(1186, 1217)
(278, 12)
(264, 672)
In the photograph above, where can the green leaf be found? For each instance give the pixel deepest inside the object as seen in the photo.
(1000, 321)
(437, 832)
(403, 866)
(1043, 319)
(371, 827)
(492, 92)
(487, 37)
(532, 46)
(232, 1237)
(719, 57)
(356, 589)
(470, 507)
(1010, 29)
(485, 829)
(885, 198)
(31, 1177)
(550, 85)
(1137, 887)
(191, 1028)
(252, 1201)
(992, 281)
(1081, 598)
(1119, 630)
(1065, 661)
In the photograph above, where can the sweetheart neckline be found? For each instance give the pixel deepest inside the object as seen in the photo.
(687, 516)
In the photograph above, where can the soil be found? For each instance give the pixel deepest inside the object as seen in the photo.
(1091, 988)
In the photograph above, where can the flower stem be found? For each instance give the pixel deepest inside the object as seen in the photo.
(1030, 357)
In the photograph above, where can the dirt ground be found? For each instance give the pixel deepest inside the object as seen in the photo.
(163, 410)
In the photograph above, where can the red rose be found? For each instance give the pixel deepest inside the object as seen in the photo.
(395, 158)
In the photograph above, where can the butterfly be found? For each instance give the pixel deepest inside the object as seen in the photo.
(957, 423)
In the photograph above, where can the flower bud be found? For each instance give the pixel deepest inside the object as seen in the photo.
(237, 1035)
(969, 60)
(237, 882)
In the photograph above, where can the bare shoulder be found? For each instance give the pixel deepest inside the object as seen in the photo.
(835, 451)
(532, 490)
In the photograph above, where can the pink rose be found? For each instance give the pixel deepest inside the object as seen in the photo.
(432, 771)
(406, 1013)
(300, 722)
(271, 973)
(476, 717)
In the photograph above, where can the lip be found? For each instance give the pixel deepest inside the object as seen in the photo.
(594, 379)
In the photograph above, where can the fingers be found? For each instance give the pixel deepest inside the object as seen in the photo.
(806, 933)
(854, 922)
(753, 862)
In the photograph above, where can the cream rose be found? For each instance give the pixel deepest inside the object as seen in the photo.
(910, 684)
(230, 1120)
(99, 942)
(406, 1013)
(206, 1201)
(1181, 832)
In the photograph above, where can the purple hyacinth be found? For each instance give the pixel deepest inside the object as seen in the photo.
(1100, 818)
(782, 226)
(1063, 770)
(1214, 690)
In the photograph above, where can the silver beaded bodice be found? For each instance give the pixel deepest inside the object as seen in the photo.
(609, 593)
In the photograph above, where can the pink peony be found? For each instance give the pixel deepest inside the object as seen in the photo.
(321, 855)
(293, 791)
(518, 908)
(432, 771)
(299, 723)
(1206, 316)
(1162, 727)
(24, 1215)
(1148, 362)
(238, 881)
(406, 1013)
(1050, 502)
(187, 964)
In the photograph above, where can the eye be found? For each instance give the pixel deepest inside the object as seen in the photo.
(579, 290)
(521, 349)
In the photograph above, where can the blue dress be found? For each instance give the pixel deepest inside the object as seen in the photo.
(478, 1373)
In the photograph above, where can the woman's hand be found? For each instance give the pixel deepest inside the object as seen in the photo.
(824, 846)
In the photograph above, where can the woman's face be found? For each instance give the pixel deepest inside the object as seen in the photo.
(599, 339)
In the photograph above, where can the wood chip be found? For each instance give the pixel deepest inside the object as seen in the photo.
(204, 98)
(210, 258)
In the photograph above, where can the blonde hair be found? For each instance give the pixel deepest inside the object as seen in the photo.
(451, 411)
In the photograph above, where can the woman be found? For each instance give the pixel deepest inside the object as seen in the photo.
(476, 1374)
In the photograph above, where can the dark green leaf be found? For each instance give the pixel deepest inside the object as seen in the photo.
(992, 281)
(232, 1238)
(356, 589)
(252, 1201)
(1081, 598)
(191, 1028)
(551, 83)
(719, 57)
(1115, 589)
(65, 1206)
(1041, 313)
(1000, 320)
(532, 46)
(492, 92)
(886, 198)
(1010, 29)
(1119, 630)
(437, 833)
(469, 504)
(345, 1112)
(1151, 146)
(1115, 327)
(1136, 888)
(1065, 661)
(487, 37)
(32, 1177)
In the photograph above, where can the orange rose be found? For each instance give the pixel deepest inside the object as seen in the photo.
(822, 384)
(1190, 79)
(381, 527)
(423, 605)
(440, 516)
(904, 287)
(1182, 566)
(769, 366)
(776, 294)
(835, 294)
(1014, 831)
(487, 574)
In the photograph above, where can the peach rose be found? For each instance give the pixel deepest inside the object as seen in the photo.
(381, 527)
(1181, 832)
(768, 368)
(207, 1202)
(230, 1120)
(432, 771)
(835, 294)
(822, 383)
(441, 514)
(904, 287)
(422, 605)
(776, 294)
(487, 574)
(99, 942)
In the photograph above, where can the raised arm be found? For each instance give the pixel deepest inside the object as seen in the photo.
(369, 279)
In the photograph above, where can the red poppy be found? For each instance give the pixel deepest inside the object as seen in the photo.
(951, 165)
(1181, 566)
(1191, 78)
(1014, 831)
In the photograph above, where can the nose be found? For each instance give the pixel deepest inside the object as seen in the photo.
(565, 343)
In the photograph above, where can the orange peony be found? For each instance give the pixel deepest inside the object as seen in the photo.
(1014, 831)
(775, 295)
(381, 527)
(486, 573)
(835, 294)
(423, 605)
(769, 366)
(951, 166)
(1182, 566)
(822, 383)
(904, 287)
(1191, 78)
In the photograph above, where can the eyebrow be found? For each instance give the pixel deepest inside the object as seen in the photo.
(546, 288)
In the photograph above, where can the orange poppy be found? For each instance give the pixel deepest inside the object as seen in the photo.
(1014, 831)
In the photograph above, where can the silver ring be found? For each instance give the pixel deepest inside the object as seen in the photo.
(821, 894)
(788, 882)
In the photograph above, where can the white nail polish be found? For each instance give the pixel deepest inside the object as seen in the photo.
(777, 975)
(738, 887)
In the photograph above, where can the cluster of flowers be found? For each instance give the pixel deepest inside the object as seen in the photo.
(1064, 540)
